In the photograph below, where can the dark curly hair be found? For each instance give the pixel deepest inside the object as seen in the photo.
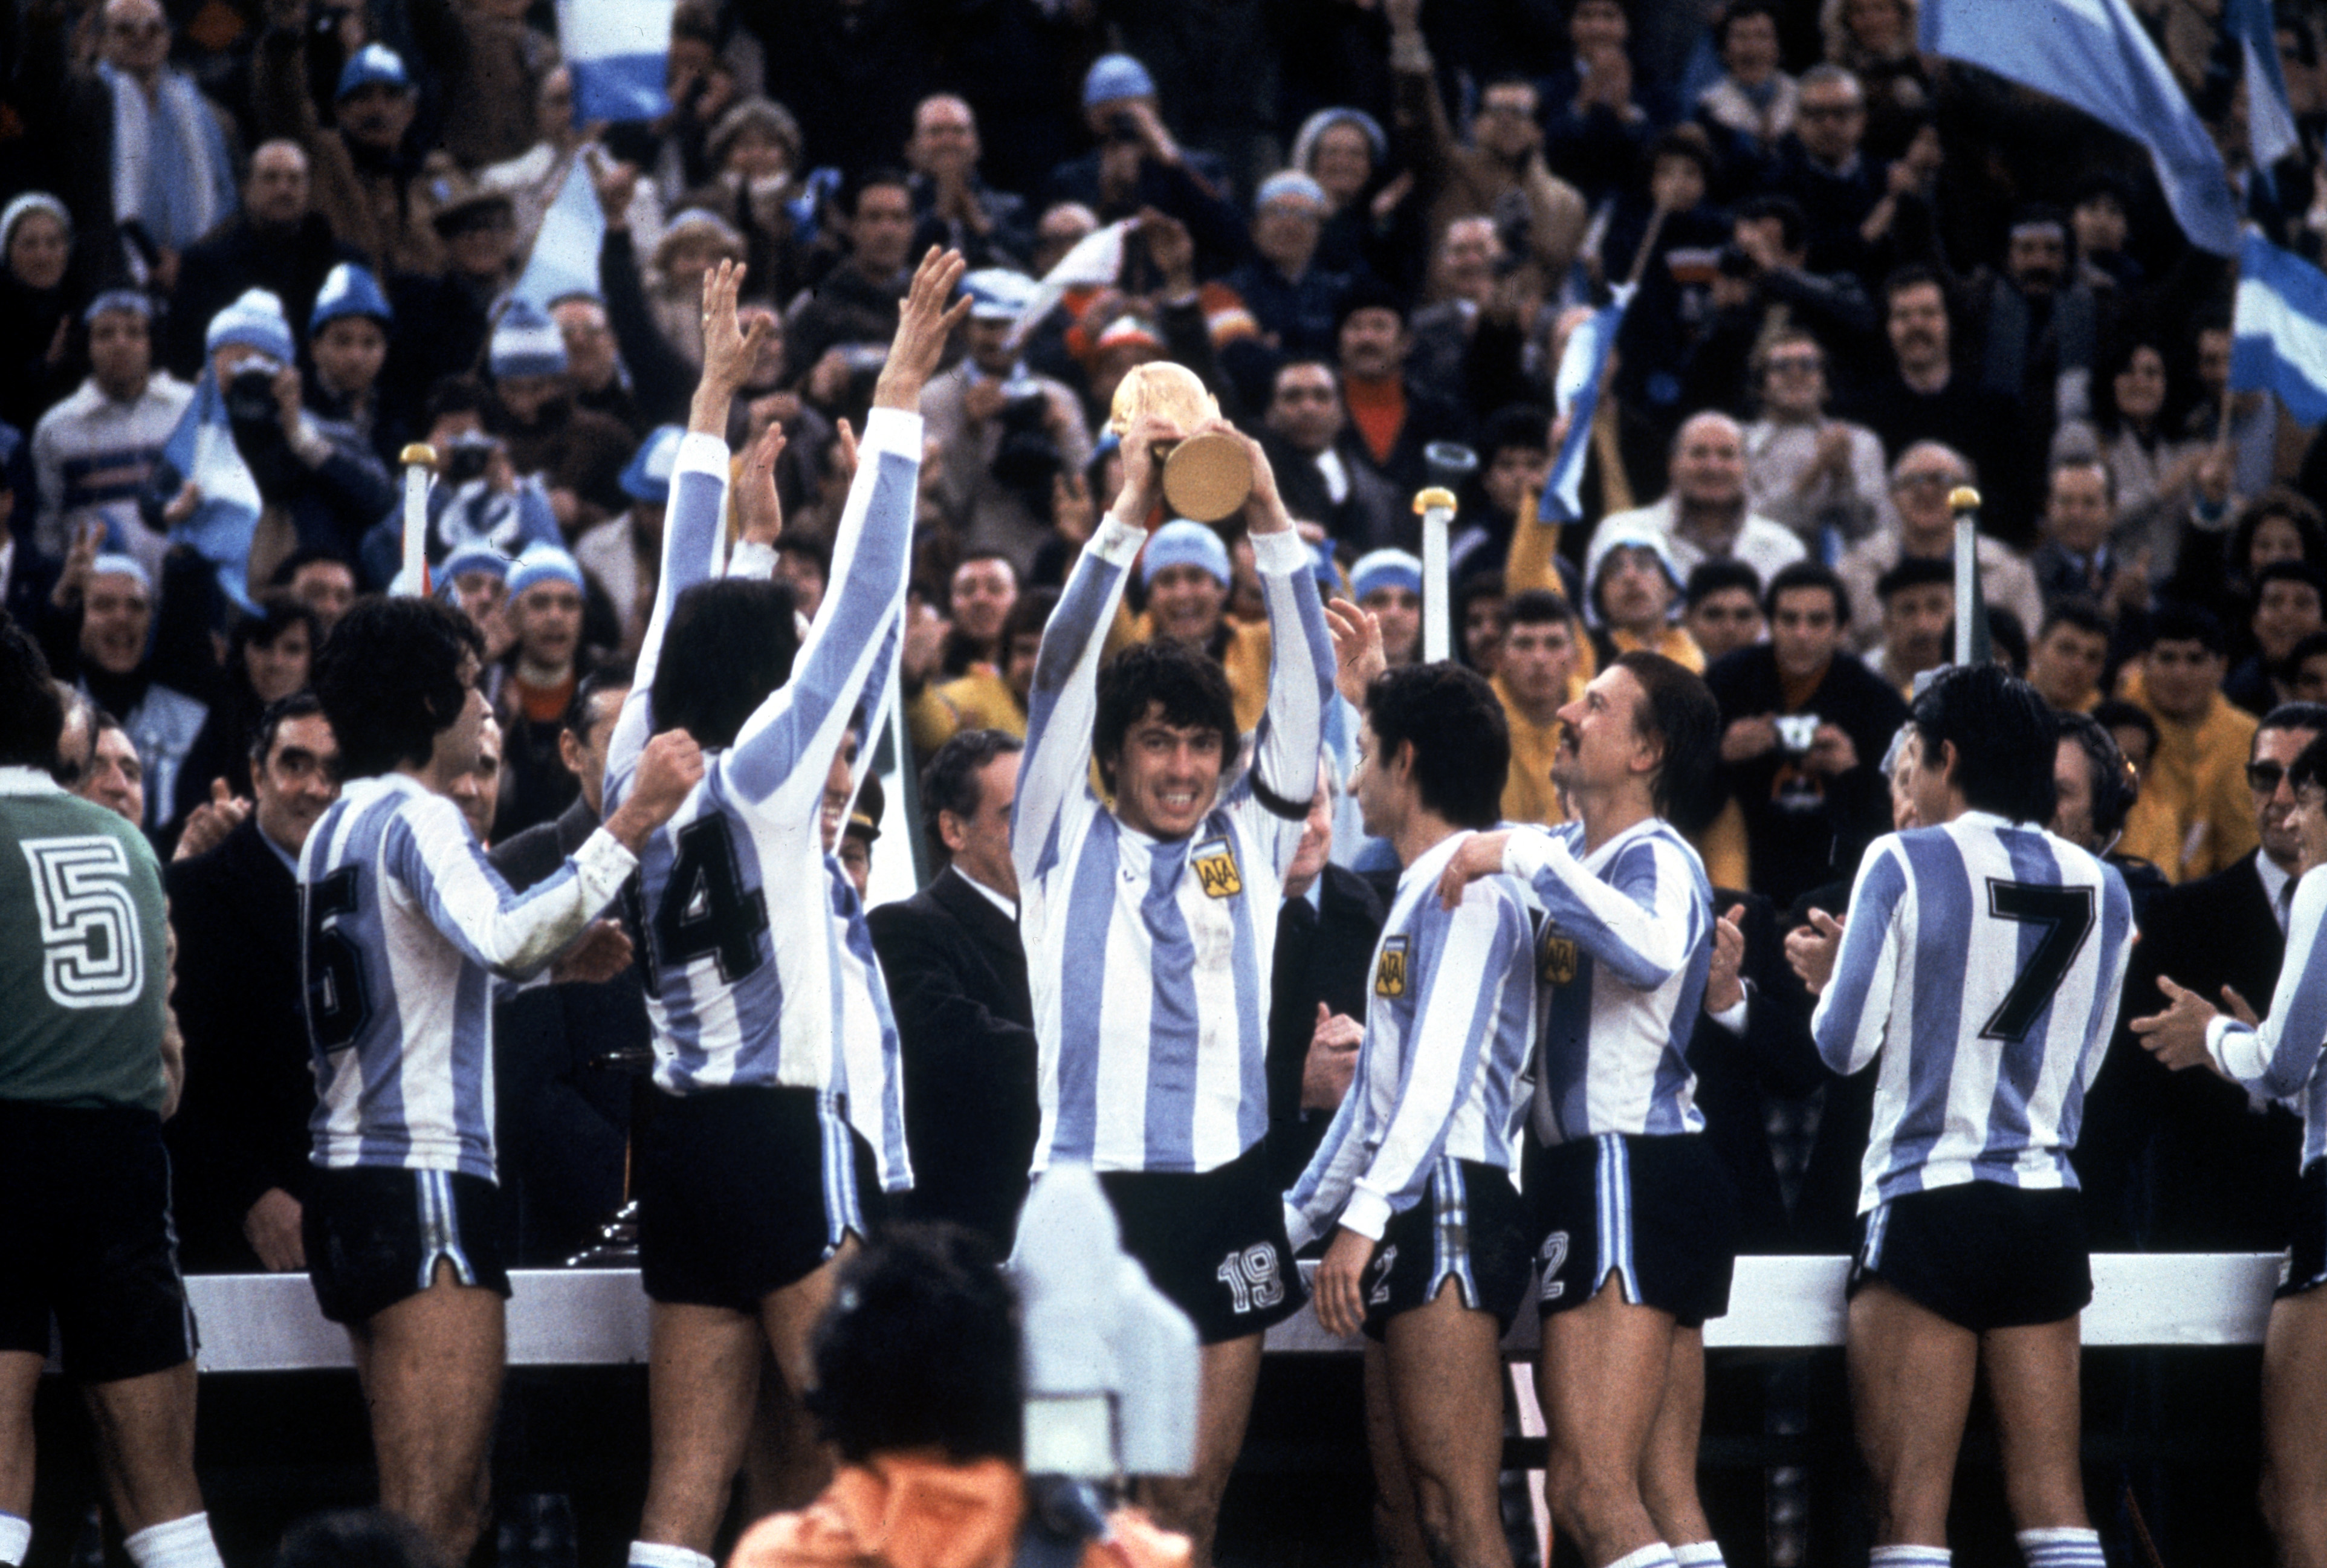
(390, 680)
(920, 1350)
(730, 643)
(32, 715)
(1461, 740)
(1192, 690)
(2003, 735)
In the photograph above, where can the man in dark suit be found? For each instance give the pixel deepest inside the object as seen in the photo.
(957, 976)
(240, 1138)
(2183, 1163)
(1325, 936)
(563, 1116)
(1752, 1044)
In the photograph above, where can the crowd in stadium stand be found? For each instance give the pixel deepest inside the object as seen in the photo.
(252, 249)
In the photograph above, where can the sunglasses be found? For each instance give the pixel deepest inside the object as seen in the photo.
(2264, 778)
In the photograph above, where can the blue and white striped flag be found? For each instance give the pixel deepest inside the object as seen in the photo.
(202, 451)
(2092, 55)
(618, 51)
(2280, 329)
(2270, 122)
(564, 258)
(1577, 392)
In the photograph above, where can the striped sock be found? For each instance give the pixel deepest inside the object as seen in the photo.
(1655, 1554)
(175, 1544)
(15, 1540)
(1699, 1555)
(2061, 1548)
(1911, 1557)
(655, 1554)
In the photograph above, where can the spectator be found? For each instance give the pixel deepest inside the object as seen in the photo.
(1823, 168)
(346, 342)
(1345, 151)
(241, 1138)
(1139, 164)
(859, 834)
(1513, 464)
(1753, 105)
(2252, 430)
(1722, 610)
(1704, 515)
(532, 687)
(267, 659)
(1919, 396)
(1820, 476)
(957, 978)
(1535, 678)
(40, 363)
(594, 365)
(449, 317)
(578, 455)
(1321, 479)
(1919, 526)
(1876, 40)
(1185, 572)
(563, 1119)
(366, 180)
(478, 792)
(1295, 299)
(2070, 654)
(120, 671)
(2289, 598)
(97, 451)
(277, 242)
(955, 209)
(1387, 584)
(1763, 280)
(2155, 477)
(486, 65)
(623, 554)
(984, 697)
(1394, 420)
(113, 777)
(2306, 668)
(1481, 618)
(1811, 802)
(2040, 324)
(2076, 559)
(855, 307)
(532, 180)
(1470, 344)
(1503, 163)
(2204, 823)
(1918, 597)
(759, 192)
(324, 583)
(979, 596)
(1595, 134)
(1004, 434)
(1634, 596)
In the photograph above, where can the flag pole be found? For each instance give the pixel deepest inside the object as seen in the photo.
(1964, 502)
(1436, 506)
(419, 461)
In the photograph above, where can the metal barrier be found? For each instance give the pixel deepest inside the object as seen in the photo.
(598, 1317)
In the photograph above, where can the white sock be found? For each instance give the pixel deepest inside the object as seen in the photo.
(16, 1539)
(655, 1554)
(1655, 1554)
(1910, 1557)
(1699, 1555)
(2061, 1548)
(175, 1544)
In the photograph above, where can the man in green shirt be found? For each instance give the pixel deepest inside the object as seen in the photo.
(85, 1234)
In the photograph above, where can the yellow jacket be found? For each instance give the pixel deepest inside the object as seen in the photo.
(979, 700)
(2196, 816)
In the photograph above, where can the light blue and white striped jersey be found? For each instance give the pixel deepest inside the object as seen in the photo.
(1621, 962)
(1149, 960)
(1983, 959)
(759, 968)
(403, 921)
(2281, 1059)
(1447, 1032)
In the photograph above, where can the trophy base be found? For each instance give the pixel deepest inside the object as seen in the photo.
(1207, 476)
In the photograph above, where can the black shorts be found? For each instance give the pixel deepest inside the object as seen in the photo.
(1471, 1227)
(2305, 1268)
(374, 1234)
(1212, 1241)
(742, 1191)
(1658, 1213)
(86, 1237)
(1980, 1254)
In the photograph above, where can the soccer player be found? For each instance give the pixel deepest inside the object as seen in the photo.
(1148, 927)
(1982, 958)
(1635, 1209)
(404, 924)
(84, 1180)
(775, 1052)
(2278, 1058)
(1418, 1178)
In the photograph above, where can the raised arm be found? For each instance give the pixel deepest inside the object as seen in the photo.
(1300, 659)
(1854, 1010)
(1064, 698)
(693, 527)
(787, 743)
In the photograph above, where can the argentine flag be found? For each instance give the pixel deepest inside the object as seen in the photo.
(2092, 55)
(1577, 392)
(201, 450)
(565, 258)
(618, 51)
(2280, 329)
(2270, 122)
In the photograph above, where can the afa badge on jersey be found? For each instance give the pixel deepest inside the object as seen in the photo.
(1556, 957)
(1216, 868)
(1389, 973)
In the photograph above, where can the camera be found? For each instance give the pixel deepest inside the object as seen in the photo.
(1798, 733)
(466, 458)
(249, 393)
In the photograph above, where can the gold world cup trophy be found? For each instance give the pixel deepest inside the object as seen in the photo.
(1206, 476)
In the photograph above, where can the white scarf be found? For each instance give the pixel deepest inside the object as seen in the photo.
(132, 141)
